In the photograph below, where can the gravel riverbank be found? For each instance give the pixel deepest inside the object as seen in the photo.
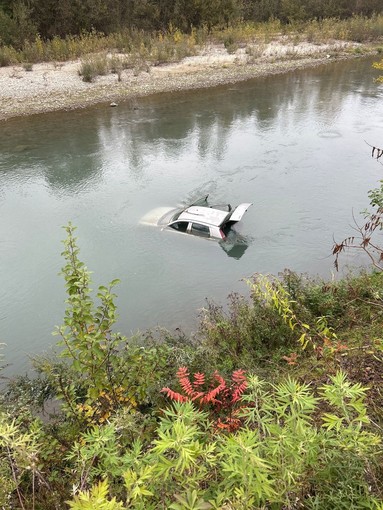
(52, 86)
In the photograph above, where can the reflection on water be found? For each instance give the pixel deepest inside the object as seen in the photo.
(293, 145)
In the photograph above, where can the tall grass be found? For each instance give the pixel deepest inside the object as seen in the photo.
(157, 48)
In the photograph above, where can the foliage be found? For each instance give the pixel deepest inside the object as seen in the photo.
(233, 442)
(8, 56)
(20, 21)
(95, 498)
(86, 333)
(103, 372)
(92, 67)
(243, 334)
(19, 461)
(221, 398)
(165, 32)
(379, 66)
(296, 447)
(319, 336)
(327, 315)
(366, 237)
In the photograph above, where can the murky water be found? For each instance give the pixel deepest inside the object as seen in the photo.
(294, 145)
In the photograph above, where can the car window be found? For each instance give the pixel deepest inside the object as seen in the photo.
(181, 226)
(200, 230)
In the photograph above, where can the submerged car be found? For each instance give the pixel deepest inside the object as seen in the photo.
(201, 219)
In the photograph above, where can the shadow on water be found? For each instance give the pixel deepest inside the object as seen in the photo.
(235, 244)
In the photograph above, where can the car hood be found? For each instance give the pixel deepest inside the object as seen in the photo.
(159, 216)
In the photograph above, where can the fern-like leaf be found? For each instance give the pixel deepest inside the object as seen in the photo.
(199, 380)
(238, 376)
(211, 396)
(182, 372)
(173, 395)
(187, 386)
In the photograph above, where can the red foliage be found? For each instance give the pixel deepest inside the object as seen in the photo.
(220, 398)
(292, 359)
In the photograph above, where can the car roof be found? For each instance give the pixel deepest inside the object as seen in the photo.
(208, 215)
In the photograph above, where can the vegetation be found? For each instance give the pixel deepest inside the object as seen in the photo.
(267, 407)
(137, 34)
(21, 21)
(275, 403)
(366, 236)
(378, 152)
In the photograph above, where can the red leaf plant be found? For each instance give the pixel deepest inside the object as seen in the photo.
(221, 399)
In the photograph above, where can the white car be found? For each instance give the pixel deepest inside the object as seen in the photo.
(199, 218)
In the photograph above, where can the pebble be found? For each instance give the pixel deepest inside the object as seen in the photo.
(54, 88)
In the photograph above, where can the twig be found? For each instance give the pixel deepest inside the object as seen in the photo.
(377, 150)
(15, 479)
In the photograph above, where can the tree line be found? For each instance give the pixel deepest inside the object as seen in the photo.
(22, 20)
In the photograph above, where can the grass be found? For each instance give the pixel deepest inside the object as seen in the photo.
(158, 48)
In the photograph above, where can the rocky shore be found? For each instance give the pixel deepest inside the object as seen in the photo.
(58, 86)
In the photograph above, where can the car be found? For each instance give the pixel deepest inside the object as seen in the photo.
(200, 218)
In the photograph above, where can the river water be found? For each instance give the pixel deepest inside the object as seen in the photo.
(293, 145)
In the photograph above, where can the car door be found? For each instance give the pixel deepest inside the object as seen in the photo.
(200, 230)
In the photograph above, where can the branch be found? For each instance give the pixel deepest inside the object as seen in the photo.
(376, 152)
(363, 241)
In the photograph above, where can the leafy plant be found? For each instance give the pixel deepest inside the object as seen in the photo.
(91, 67)
(245, 333)
(290, 452)
(97, 497)
(19, 461)
(221, 398)
(320, 337)
(86, 333)
(366, 238)
(103, 372)
(190, 501)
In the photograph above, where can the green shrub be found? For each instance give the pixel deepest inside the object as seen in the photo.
(244, 333)
(8, 56)
(92, 67)
(296, 448)
(19, 461)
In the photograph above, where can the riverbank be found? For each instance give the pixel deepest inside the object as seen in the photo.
(57, 86)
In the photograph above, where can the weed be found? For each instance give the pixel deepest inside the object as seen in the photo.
(254, 51)
(246, 332)
(173, 45)
(92, 67)
(8, 56)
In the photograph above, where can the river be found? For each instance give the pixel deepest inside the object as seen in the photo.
(293, 145)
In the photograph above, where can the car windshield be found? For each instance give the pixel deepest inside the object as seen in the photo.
(176, 216)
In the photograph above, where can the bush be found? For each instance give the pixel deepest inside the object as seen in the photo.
(92, 67)
(244, 333)
(291, 453)
(8, 56)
